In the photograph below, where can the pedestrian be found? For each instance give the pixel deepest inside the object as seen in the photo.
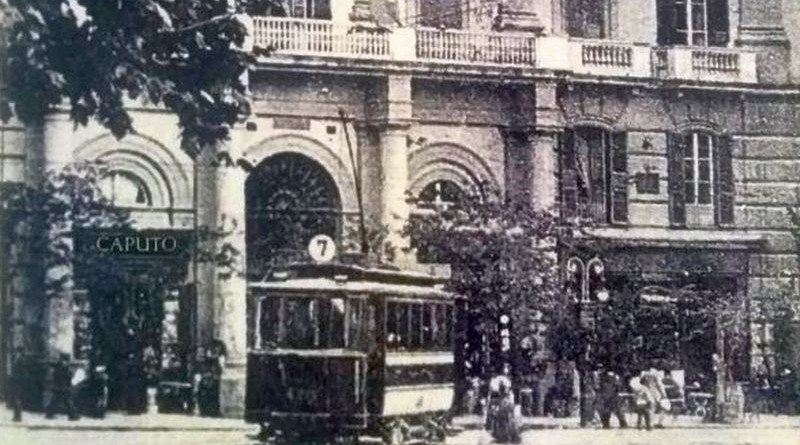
(16, 382)
(60, 380)
(504, 427)
(643, 403)
(608, 399)
(661, 404)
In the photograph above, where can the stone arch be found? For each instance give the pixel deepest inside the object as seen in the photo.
(451, 162)
(591, 121)
(165, 173)
(313, 149)
(702, 126)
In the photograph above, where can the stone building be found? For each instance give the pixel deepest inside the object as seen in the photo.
(673, 125)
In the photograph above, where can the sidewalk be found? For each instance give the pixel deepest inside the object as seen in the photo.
(150, 422)
(767, 421)
(154, 422)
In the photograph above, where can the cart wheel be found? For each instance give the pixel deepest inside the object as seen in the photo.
(394, 435)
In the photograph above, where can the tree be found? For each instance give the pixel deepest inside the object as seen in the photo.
(97, 55)
(503, 261)
(49, 256)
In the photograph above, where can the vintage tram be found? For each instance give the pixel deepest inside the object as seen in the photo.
(342, 350)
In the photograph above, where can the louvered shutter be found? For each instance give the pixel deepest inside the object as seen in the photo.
(666, 22)
(718, 23)
(723, 185)
(569, 179)
(677, 199)
(619, 178)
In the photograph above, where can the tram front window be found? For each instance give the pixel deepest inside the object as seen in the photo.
(302, 322)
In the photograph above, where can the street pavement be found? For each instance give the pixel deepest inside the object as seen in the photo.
(160, 429)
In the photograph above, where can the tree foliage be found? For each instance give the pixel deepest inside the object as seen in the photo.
(503, 260)
(96, 55)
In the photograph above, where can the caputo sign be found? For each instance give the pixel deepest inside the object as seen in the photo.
(159, 243)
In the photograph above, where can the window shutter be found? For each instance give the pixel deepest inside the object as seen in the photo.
(723, 185)
(677, 201)
(619, 178)
(597, 142)
(666, 22)
(718, 23)
(569, 179)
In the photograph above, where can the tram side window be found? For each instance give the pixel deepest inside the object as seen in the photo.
(268, 322)
(417, 326)
(356, 324)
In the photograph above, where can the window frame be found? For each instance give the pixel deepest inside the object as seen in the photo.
(692, 153)
(613, 173)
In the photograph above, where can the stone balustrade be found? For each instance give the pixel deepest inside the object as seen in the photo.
(602, 58)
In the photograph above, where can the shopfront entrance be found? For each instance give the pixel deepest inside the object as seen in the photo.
(134, 314)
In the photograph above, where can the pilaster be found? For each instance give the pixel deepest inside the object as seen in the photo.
(549, 123)
(761, 29)
(393, 136)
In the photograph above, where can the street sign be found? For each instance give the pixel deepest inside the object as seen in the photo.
(322, 248)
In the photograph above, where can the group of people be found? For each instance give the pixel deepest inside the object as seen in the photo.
(76, 390)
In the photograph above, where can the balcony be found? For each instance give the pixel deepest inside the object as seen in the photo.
(705, 64)
(307, 37)
(604, 58)
(455, 46)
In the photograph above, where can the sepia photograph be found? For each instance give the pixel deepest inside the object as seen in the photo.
(457, 222)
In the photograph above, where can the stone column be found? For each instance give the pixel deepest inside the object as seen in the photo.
(57, 149)
(230, 284)
(761, 29)
(394, 162)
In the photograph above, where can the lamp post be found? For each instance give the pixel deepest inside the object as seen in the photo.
(586, 281)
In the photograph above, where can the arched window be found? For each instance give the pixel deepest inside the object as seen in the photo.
(125, 190)
(442, 194)
(290, 198)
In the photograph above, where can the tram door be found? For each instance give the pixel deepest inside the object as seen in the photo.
(136, 328)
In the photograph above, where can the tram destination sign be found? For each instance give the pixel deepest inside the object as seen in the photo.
(134, 243)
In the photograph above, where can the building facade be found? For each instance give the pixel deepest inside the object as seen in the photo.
(672, 125)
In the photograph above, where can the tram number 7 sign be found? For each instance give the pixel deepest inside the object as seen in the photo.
(322, 248)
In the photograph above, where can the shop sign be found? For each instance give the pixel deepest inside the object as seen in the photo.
(149, 243)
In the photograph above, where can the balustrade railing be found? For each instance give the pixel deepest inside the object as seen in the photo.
(463, 46)
(715, 61)
(607, 54)
(324, 38)
(318, 37)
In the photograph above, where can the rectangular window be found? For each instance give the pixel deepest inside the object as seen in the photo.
(698, 169)
(693, 22)
(588, 19)
(302, 9)
(446, 14)
(594, 175)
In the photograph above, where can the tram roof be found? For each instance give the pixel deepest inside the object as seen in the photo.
(336, 277)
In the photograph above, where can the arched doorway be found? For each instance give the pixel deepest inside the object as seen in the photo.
(290, 198)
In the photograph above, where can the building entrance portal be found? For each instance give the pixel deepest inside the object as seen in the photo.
(137, 332)
(290, 198)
